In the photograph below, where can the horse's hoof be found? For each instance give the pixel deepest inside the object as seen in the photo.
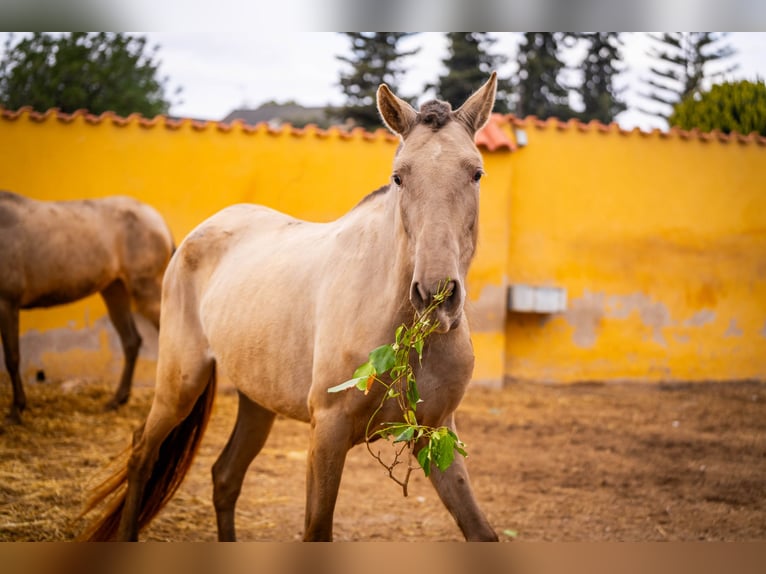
(13, 418)
(111, 405)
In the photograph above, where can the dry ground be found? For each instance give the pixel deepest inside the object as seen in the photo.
(564, 463)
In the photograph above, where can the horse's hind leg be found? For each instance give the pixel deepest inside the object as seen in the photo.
(181, 381)
(455, 491)
(9, 329)
(117, 302)
(248, 437)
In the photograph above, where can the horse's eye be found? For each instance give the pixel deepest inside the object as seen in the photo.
(397, 179)
(477, 175)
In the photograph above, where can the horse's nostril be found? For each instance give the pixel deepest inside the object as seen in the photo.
(418, 295)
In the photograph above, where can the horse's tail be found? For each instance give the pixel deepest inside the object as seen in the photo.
(173, 462)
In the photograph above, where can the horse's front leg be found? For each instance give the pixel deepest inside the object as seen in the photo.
(9, 329)
(329, 444)
(454, 489)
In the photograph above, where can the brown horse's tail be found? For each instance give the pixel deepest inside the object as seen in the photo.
(173, 462)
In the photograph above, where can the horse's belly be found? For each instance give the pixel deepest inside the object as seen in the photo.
(262, 342)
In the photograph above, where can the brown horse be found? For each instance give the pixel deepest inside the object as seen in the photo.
(56, 252)
(285, 309)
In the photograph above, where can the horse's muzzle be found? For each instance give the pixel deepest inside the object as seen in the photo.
(449, 311)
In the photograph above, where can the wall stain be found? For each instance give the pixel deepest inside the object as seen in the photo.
(587, 313)
(700, 318)
(733, 329)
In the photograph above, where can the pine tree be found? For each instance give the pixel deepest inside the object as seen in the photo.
(468, 64)
(375, 58)
(684, 60)
(538, 90)
(601, 64)
(94, 71)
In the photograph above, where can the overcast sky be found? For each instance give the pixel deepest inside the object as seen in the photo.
(219, 72)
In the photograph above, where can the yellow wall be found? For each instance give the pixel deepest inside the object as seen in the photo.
(660, 241)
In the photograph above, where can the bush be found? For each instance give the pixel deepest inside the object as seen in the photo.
(729, 107)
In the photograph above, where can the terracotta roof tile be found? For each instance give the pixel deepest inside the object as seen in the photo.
(496, 135)
(493, 136)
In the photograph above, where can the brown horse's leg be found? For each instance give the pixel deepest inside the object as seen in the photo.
(246, 440)
(117, 302)
(328, 447)
(9, 328)
(455, 491)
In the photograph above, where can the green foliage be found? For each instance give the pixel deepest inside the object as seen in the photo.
(683, 61)
(375, 59)
(538, 89)
(391, 366)
(729, 107)
(601, 64)
(468, 64)
(94, 71)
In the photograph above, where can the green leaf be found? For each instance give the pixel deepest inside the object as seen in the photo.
(406, 435)
(392, 429)
(412, 393)
(383, 358)
(424, 459)
(510, 533)
(355, 382)
(443, 449)
(418, 344)
(365, 370)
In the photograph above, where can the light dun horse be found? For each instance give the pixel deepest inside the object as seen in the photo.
(285, 309)
(54, 252)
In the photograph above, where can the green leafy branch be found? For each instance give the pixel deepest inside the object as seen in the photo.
(391, 366)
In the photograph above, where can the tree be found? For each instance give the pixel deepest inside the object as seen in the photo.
(729, 107)
(684, 60)
(375, 59)
(538, 90)
(468, 64)
(95, 71)
(600, 65)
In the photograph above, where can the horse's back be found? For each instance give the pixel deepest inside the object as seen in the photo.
(60, 251)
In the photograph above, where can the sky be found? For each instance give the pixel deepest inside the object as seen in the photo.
(219, 72)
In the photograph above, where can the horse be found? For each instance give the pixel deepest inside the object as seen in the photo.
(56, 252)
(285, 309)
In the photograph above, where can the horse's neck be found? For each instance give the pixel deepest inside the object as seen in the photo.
(386, 262)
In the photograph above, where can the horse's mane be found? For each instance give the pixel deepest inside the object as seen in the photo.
(435, 114)
(372, 195)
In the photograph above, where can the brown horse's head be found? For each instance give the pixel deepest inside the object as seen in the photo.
(436, 177)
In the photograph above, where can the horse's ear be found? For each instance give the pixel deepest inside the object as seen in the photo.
(398, 115)
(475, 112)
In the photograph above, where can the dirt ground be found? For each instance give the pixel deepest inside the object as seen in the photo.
(548, 463)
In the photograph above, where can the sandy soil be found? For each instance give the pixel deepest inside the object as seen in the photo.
(555, 463)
